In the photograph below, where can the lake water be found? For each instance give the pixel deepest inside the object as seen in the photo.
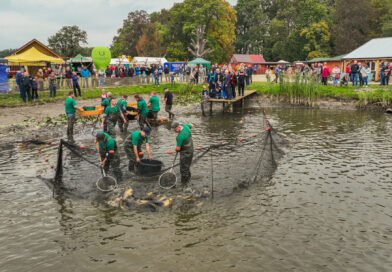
(327, 207)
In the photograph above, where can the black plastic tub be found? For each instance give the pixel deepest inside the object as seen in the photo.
(149, 168)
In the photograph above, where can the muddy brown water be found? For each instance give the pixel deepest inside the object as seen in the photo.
(326, 208)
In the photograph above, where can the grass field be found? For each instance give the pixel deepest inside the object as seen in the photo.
(299, 92)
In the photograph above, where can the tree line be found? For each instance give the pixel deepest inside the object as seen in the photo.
(278, 29)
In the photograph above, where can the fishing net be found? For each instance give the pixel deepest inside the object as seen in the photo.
(214, 169)
(106, 184)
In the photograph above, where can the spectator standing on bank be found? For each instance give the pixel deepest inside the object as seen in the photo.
(68, 77)
(34, 88)
(25, 82)
(52, 84)
(101, 75)
(75, 83)
(156, 78)
(354, 73)
(365, 71)
(325, 73)
(335, 76)
(108, 72)
(40, 78)
(94, 77)
(167, 73)
(85, 73)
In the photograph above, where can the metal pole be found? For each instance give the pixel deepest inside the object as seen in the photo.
(212, 175)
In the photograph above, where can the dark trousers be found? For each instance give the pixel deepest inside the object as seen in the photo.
(76, 86)
(34, 93)
(247, 80)
(70, 127)
(168, 110)
(325, 80)
(52, 89)
(241, 88)
(233, 90)
(26, 91)
(228, 92)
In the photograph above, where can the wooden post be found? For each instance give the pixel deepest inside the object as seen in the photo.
(211, 108)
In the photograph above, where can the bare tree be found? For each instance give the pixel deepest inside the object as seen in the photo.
(197, 46)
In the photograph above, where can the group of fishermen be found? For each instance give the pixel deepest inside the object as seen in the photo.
(116, 111)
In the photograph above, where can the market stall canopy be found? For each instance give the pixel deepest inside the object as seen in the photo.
(283, 62)
(199, 61)
(79, 58)
(148, 60)
(122, 60)
(31, 57)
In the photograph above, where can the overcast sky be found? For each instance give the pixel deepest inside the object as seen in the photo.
(23, 20)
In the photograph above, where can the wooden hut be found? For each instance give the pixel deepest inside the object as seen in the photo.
(33, 56)
(331, 62)
(372, 53)
(252, 60)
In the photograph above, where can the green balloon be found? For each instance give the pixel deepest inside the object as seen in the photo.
(101, 57)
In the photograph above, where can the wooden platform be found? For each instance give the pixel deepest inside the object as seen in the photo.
(236, 99)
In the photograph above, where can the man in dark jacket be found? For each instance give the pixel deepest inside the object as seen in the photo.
(354, 73)
(108, 72)
(227, 84)
(25, 82)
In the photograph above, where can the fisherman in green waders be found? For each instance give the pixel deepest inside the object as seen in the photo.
(70, 110)
(154, 103)
(185, 147)
(133, 146)
(106, 102)
(143, 111)
(110, 157)
(122, 103)
(111, 115)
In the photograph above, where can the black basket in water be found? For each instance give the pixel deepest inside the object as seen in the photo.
(131, 116)
(149, 168)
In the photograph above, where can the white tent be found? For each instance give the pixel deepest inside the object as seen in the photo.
(148, 60)
(123, 60)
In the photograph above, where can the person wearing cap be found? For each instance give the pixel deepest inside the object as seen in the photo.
(122, 103)
(133, 146)
(185, 147)
(154, 103)
(70, 110)
(111, 115)
(109, 154)
(143, 111)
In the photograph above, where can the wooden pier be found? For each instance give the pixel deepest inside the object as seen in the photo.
(237, 101)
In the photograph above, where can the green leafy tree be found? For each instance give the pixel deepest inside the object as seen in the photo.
(219, 20)
(381, 18)
(351, 24)
(176, 52)
(6, 52)
(68, 41)
(124, 43)
(251, 27)
(149, 43)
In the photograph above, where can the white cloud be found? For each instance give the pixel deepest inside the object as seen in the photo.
(23, 20)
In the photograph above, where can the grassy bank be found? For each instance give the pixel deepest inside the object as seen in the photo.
(184, 91)
(307, 93)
